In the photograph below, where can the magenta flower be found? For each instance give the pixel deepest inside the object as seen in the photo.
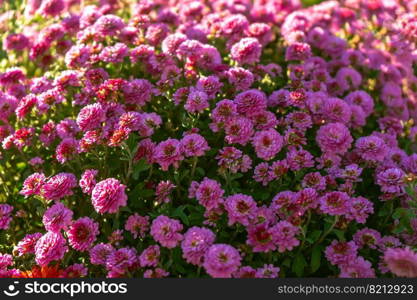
(335, 203)
(357, 268)
(334, 138)
(267, 143)
(57, 217)
(168, 153)
(221, 261)
(150, 256)
(59, 186)
(108, 196)
(88, 181)
(82, 233)
(341, 253)
(91, 116)
(27, 244)
(195, 244)
(209, 193)
(246, 51)
(137, 225)
(371, 148)
(33, 185)
(401, 261)
(240, 209)
(367, 237)
(284, 236)
(166, 231)
(194, 145)
(50, 247)
(99, 253)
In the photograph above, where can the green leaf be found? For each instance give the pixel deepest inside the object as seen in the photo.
(139, 167)
(179, 212)
(340, 234)
(299, 265)
(316, 258)
(314, 236)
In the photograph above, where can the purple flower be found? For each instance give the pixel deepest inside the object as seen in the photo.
(246, 51)
(335, 203)
(284, 236)
(250, 102)
(27, 244)
(357, 268)
(194, 145)
(340, 253)
(137, 225)
(108, 25)
(91, 116)
(298, 51)
(150, 256)
(50, 247)
(195, 244)
(5, 215)
(391, 181)
(59, 186)
(221, 261)
(209, 193)
(401, 261)
(360, 209)
(371, 148)
(108, 196)
(298, 159)
(33, 184)
(168, 153)
(240, 209)
(121, 261)
(99, 253)
(367, 237)
(267, 143)
(57, 217)
(197, 101)
(88, 181)
(334, 138)
(166, 231)
(82, 233)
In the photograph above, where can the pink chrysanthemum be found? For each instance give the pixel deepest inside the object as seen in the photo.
(240, 208)
(340, 253)
(209, 193)
(91, 116)
(59, 186)
(221, 261)
(334, 138)
(246, 51)
(166, 231)
(50, 247)
(137, 225)
(88, 181)
(57, 217)
(195, 244)
(284, 236)
(33, 184)
(168, 153)
(99, 253)
(267, 143)
(401, 261)
(108, 196)
(150, 256)
(82, 233)
(27, 244)
(194, 145)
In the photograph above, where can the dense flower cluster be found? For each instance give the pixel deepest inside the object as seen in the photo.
(188, 138)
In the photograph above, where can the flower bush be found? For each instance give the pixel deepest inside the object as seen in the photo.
(221, 138)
